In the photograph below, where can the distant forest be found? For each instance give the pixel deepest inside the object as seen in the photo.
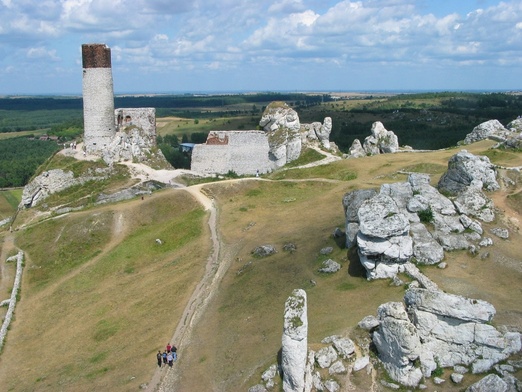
(20, 157)
(422, 121)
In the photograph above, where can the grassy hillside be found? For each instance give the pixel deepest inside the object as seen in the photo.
(9, 200)
(100, 296)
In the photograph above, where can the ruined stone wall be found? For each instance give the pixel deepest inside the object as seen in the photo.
(144, 118)
(244, 152)
(98, 97)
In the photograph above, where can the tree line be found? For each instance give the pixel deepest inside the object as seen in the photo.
(20, 157)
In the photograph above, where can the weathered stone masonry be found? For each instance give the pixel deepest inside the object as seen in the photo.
(98, 97)
(244, 152)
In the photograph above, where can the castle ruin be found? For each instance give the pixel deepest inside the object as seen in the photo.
(113, 134)
(98, 98)
(241, 152)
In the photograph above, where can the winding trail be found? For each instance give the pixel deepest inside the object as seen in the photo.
(164, 379)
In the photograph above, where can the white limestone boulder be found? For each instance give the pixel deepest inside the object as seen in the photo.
(294, 342)
(426, 249)
(490, 383)
(326, 356)
(329, 266)
(472, 201)
(449, 305)
(324, 132)
(398, 343)
(515, 125)
(492, 129)
(463, 169)
(387, 141)
(379, 217)
(282, 125)
(356, 150)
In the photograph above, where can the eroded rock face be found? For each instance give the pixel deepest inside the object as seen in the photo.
(434, 327)
(398, 343)
(323, 134)
(132, 144)
(490, 383)
(390, 227)
(295, 342)
(386, 140)
(380, 141)
(383, 241)
(356, 150)
(472, 201)
(465, 168)
(515, 125)
(281, 122)
(53, 181)
(489, 129)
(379, 217)
(352, 201)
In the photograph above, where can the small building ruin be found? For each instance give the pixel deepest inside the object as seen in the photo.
(241, 152)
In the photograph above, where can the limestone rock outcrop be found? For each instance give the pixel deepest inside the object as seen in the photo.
(439, 329)
(56, 180)
(287, 136)
(356, 150)
(491, 382)
(389, 228)
(295, 342)
(380, 141)
(514, 140)
(323, 133)
(463, 169)
(282, 125)
(386, 141)
(383, 239)
(515, 125)
(398, 343)
(352, 201)
(492, 129)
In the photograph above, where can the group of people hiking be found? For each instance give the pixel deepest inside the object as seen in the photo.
(168, 356)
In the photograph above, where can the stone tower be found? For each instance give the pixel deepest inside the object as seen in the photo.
(98, 97)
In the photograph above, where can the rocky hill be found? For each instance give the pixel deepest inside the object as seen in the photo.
(116, 281)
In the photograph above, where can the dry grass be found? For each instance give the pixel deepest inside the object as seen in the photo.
(97, 324)
(98, 309)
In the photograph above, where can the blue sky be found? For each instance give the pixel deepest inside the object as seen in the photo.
(264, 45)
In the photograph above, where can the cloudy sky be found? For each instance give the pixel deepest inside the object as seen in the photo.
(264, 45)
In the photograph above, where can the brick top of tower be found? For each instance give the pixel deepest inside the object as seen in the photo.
(96, 56)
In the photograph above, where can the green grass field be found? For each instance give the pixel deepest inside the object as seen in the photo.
(9, 201)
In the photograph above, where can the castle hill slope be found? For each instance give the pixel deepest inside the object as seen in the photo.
(100, 296)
